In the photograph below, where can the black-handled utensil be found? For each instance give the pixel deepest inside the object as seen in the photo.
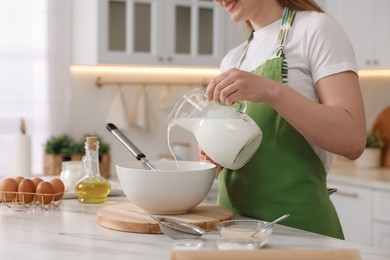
(130, 146)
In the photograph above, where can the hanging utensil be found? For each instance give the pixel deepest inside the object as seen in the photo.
(130, 146)
(117, 111)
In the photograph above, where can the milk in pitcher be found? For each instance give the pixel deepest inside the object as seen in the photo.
(230, 142)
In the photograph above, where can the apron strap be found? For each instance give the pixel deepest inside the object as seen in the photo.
(243, 54)
(287, 21)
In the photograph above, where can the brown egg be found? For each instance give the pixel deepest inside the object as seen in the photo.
(26, 189)
(59, 188)
(36, 181)
(8, 189)
(45, 192)
(18, 179)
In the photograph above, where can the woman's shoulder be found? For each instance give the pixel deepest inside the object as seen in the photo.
(316, 21)
(313, 16)
(319, 29)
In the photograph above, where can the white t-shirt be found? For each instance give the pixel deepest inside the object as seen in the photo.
(316, 47)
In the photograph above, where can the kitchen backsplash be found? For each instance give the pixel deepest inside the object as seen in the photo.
(147, 107)
(376, 95)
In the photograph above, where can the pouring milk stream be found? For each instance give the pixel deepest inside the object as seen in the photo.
(227, 135)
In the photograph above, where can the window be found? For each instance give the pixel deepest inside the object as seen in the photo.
(34, 81)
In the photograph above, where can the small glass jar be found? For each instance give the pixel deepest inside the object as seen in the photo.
(72, 172)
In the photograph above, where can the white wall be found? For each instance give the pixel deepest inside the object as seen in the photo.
(376, 95)
(89, 112)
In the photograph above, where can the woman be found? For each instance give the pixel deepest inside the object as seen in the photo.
(297, 73)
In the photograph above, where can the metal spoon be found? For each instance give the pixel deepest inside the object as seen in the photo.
(270, 224)
(129, 145)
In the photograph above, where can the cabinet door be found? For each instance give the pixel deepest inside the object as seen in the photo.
(353, 205)
(381, 206)
(366, 24)
(382, 31)
(381, 235)
(195, 36)
(381, 216)
(129, 31)
(169, 32)
(356, 18)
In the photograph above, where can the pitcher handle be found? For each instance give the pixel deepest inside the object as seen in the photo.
(242, 106)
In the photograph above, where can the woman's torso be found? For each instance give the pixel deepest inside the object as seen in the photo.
(316, 47)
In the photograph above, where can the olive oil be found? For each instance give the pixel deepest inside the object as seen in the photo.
(92, 188)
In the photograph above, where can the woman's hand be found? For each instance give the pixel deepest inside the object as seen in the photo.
(236, 85)
(204, 157)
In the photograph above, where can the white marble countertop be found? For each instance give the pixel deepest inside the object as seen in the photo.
(345, 172)
(71, 232)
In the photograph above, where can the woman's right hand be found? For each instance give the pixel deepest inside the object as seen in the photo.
(204, 157)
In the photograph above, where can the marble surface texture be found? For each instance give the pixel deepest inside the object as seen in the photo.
(70, 231)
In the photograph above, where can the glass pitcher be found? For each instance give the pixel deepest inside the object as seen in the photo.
(227, 135)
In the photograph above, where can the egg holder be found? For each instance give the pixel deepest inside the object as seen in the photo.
(38, 199)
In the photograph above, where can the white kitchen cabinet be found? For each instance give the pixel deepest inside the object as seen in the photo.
(353, 205)
(364, 213)
(169, 32)
(367, 26)
(381, 235)
(381, 217)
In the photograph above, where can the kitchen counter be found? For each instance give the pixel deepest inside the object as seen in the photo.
(71, 232)
(345, 172)
(362, 202)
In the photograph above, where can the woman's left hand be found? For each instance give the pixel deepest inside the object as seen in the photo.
(236, 85)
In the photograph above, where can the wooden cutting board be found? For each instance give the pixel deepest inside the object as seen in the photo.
(130, 218)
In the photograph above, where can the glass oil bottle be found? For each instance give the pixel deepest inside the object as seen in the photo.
(92, 188)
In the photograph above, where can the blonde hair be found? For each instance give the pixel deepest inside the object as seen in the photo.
(299, 5)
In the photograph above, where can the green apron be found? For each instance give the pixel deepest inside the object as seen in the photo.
(285, 175)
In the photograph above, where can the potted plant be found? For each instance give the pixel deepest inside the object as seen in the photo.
(371, 156)
(64, 148)
(57, 149)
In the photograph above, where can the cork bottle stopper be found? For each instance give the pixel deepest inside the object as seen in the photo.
(91, 142)
(22, 126)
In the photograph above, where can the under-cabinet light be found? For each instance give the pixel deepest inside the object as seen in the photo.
(149, 70)
(207, 72)
(374, 73)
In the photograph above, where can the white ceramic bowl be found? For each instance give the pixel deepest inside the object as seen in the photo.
(167, 190)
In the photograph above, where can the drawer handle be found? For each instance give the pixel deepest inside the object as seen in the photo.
(347, 194)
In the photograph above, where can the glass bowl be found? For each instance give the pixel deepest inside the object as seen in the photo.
(243, 234)
(187, 244)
